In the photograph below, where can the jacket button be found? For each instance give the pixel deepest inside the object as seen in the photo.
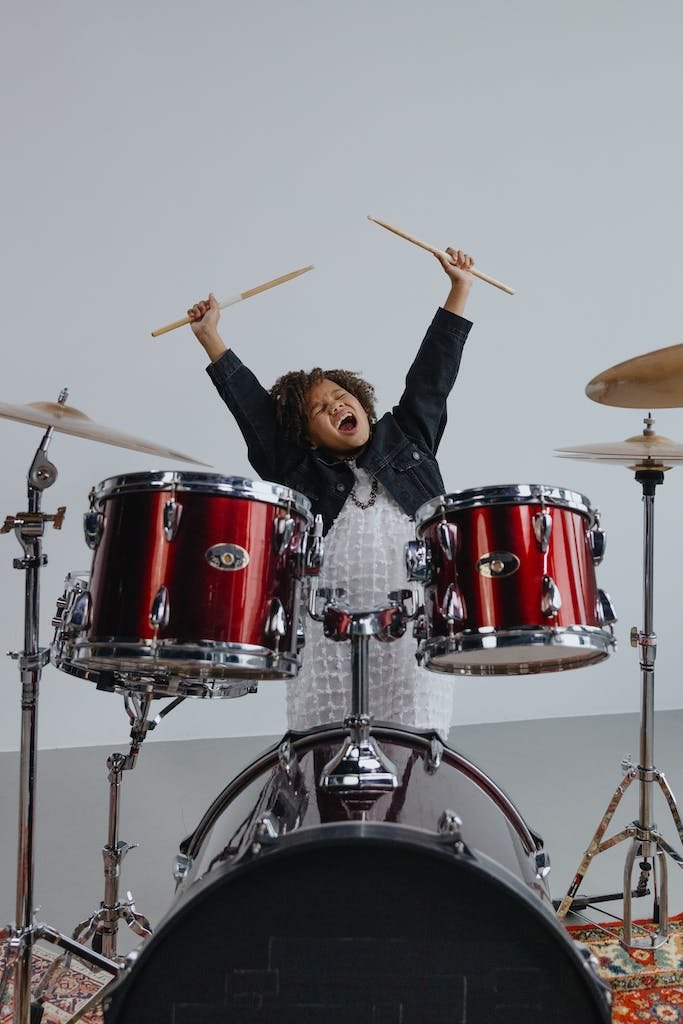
(341, 488)
(416, 456)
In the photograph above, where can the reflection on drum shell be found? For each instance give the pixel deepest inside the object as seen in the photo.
(513, 599)
(360, 911)
(205, 603)
(510, 583)
(491, 823)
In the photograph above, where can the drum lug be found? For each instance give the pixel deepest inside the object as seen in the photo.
(605, 609)
(597, 542)
(453, 606)
(266, 832)
(300, 636)
(313, 548)
(161, 609)
(551, 599)
(283, 531)
(450, 829)
(172, 513)
(542, 862)
(287, 758)
(79, 616)
(448, 539)
(420, 630)
(276, 622)
(418, 561)
(543, 525)
(93, 524)
(434, 756)
(181, 866)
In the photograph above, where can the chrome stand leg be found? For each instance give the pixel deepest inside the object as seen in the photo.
(102, 926)
(646, 841)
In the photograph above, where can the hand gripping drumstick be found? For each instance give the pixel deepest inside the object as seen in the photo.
(238, 298)
(432, 248)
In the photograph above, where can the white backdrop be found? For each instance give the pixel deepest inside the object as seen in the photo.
(153, 151)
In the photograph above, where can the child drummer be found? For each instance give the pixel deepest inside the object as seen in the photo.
(318, 433)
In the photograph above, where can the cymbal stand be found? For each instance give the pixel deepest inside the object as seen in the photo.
(360, 766)
(21, 936)
(646, 841)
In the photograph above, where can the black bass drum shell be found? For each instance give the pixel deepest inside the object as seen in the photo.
(370, 923)
(378, 919)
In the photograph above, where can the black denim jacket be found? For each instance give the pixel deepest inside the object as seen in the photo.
(401, 452)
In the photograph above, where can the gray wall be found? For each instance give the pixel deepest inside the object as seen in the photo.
(154, 151)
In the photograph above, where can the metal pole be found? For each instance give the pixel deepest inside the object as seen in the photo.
(28, 762)
(360, 675)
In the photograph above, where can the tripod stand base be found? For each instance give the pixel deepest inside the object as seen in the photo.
(646, 843)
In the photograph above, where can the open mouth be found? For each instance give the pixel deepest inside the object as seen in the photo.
(347, 424)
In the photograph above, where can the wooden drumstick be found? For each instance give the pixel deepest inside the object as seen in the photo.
(237, 298)
(433, 248)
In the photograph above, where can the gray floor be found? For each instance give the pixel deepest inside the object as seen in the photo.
(559, 772)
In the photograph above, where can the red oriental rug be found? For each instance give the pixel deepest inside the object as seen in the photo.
(647, 985)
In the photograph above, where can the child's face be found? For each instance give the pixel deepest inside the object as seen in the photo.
(336, 420)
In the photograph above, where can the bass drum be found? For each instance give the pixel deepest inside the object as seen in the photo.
(425, 904)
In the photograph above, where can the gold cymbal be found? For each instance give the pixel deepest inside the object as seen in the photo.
(67, 420)
(646, 450)
(651, 381)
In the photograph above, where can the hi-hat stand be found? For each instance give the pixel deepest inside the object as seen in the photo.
(21, 936)
(646, 840)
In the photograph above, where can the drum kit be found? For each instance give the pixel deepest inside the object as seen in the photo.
(358, 868)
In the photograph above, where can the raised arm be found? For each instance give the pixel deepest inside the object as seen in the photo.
(421, 410)
(244, 395)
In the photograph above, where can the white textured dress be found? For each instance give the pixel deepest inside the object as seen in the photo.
(364, 555)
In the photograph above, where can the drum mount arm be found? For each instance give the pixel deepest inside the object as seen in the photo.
(360, 768)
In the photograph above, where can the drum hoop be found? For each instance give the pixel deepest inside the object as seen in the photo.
(191, 845)
(505, 494)
(593, 639)
(113, 681)
(205, 483)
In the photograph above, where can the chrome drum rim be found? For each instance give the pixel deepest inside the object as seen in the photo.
(505, 494)
(572, 647)
(204, 483)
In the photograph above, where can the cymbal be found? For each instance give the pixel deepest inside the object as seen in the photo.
(647, 450)
(651, 381)
(67, 420)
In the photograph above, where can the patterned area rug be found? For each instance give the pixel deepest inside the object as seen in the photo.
(647, 984)
(73, 988)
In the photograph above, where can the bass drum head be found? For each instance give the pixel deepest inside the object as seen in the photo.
(373, 923)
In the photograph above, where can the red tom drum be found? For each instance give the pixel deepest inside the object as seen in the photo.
(195, 583)
(510, 587)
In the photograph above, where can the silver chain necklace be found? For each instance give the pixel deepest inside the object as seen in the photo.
(371, 499)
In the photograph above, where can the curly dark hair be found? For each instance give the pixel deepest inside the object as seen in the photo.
(290, 391)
